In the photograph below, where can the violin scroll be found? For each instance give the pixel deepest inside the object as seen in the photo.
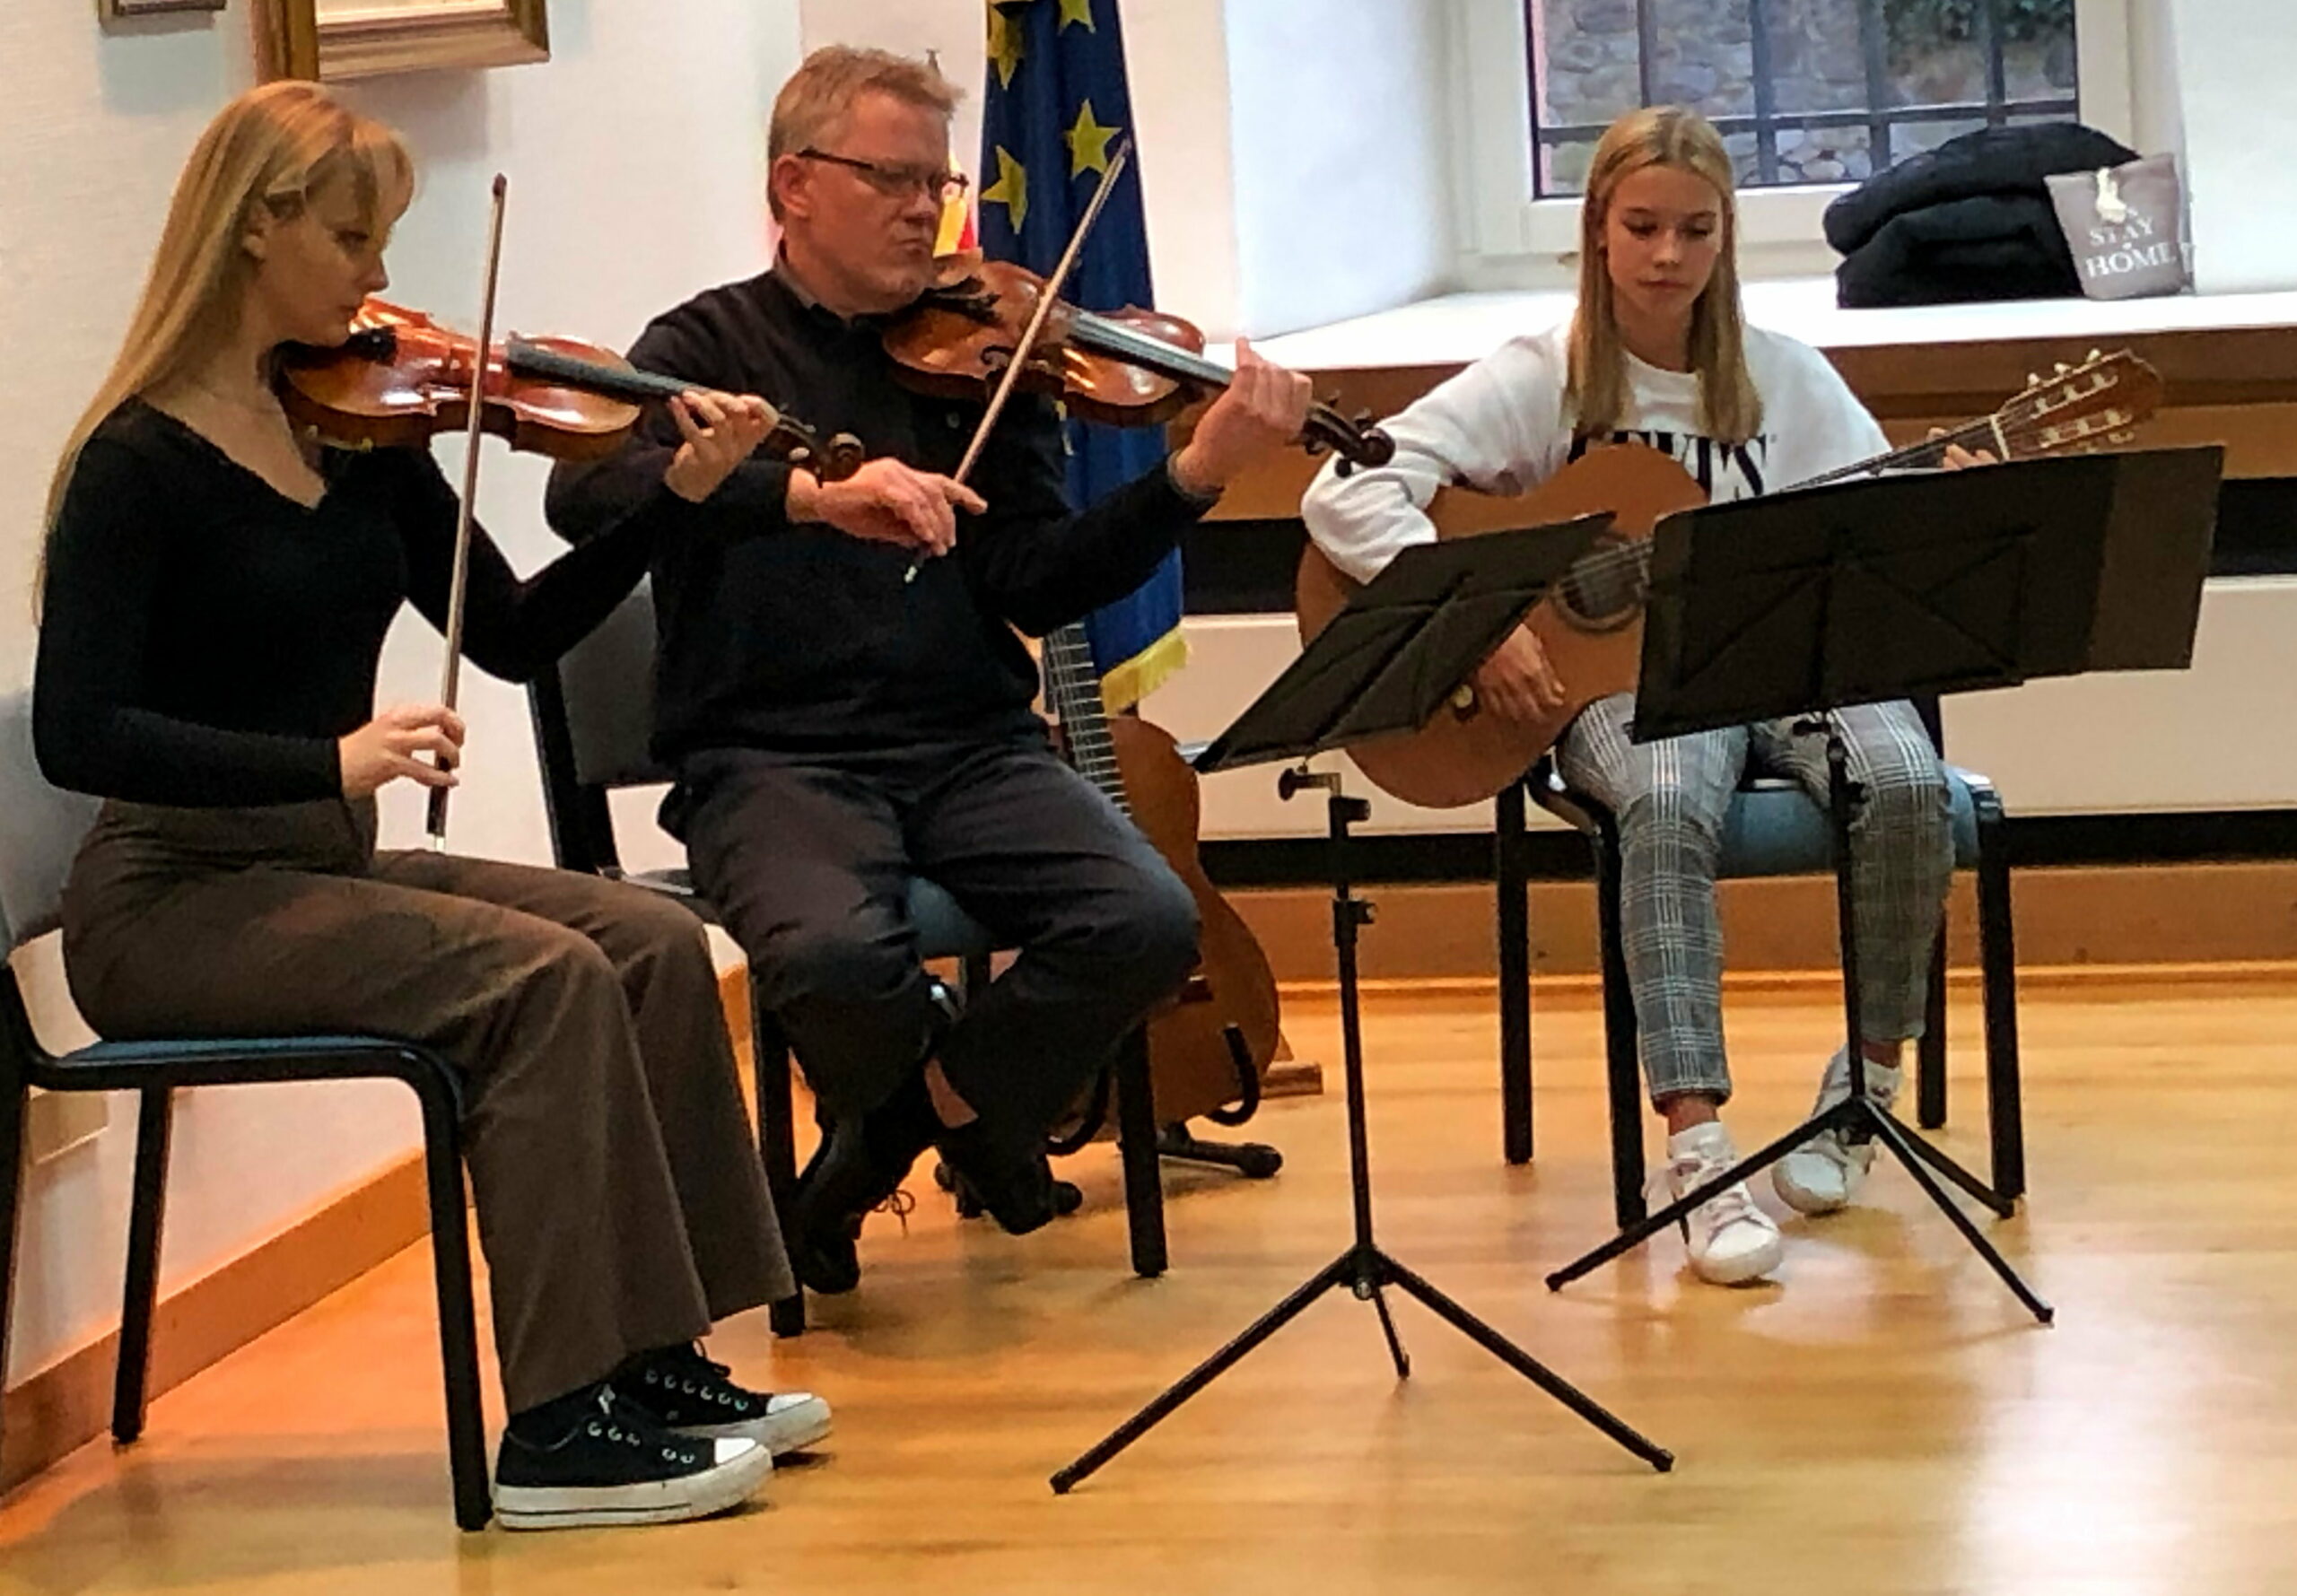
(1353, 439)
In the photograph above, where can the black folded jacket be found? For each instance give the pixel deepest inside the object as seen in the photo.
(1993, 160)
(1988, 246)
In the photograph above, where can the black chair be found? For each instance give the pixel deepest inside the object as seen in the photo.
(40, 829)
(594, 724)
(1773, 829)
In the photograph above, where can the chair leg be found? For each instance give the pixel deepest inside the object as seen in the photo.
(1513, 906)
(777, 1143)
(450, 1274)
(1998, 976)
(146, 1222)
(1136, 1140)
(13, 1095)
(1622, 1069)
(974, 974)
(1930, 1053)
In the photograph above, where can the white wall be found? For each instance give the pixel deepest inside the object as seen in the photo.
(2231, 60)
(633, 157)
(1343, 180)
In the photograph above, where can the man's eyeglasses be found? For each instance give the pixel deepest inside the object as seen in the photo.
(898, 182)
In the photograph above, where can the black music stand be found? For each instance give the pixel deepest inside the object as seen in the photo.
(1386, 664)
(1803, 603)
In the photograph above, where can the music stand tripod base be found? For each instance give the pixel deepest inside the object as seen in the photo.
(1857, 1118)
(1806, 602)
(1364, 1267)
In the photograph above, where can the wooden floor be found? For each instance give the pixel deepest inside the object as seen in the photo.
(1885, 1419)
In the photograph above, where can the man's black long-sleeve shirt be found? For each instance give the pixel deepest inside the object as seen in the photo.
(796, 638)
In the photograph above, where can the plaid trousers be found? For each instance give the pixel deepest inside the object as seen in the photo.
(1671, 797)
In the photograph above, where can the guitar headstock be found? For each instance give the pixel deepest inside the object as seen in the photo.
(2098, 403)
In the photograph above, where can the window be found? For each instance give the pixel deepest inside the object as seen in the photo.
(1805, 92)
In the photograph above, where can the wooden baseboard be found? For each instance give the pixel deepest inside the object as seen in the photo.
(68, 1404)
(2123, 915)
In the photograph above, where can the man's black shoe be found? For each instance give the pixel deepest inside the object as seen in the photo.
(1068, 1197)
(1011, 1177)
(855, 1169)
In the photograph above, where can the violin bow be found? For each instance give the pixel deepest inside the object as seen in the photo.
(451, 678)
(1049, 297)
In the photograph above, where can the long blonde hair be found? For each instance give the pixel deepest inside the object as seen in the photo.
(274, 147)
(1729, 408)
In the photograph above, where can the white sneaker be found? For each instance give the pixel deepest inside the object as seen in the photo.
(1731, 1240)
(1823, 1176)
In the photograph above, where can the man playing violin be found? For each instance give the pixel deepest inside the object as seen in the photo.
(844, 700)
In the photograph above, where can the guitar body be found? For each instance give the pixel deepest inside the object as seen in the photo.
(1189, 1059)
(1591, 623)
(1592, 626)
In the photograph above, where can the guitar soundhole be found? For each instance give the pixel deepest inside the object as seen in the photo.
(1603, 590)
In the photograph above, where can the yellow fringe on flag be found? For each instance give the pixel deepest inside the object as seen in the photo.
(1144, 673)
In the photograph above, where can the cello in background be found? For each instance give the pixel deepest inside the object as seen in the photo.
(1211, 1048)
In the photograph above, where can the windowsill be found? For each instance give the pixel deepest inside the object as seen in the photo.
(1455, 329)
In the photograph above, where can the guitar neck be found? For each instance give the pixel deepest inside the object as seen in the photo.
(1073, 688)
(1986, 432)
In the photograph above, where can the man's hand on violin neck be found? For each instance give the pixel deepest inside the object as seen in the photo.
(887, 502)
(721, 430)
(1264, 408)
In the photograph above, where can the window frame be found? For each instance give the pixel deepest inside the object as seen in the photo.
(1510, 240)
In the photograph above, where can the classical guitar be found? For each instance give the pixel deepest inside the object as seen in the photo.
(1195, 1067)
(1590, 620)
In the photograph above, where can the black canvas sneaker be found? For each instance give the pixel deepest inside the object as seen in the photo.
(682, 1390)
(617, 1466)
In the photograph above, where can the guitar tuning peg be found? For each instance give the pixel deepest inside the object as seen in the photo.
(2063, 367)
(2033, 379)
(2097, 354)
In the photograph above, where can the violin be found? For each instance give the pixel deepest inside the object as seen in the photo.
(401, 378)
(1129, 368)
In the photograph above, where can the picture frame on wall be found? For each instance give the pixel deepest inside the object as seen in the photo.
(333, 39)
(112, 11)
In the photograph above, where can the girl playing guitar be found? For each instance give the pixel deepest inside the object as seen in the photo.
(1658, 354)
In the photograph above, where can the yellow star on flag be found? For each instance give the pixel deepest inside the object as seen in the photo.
(1077, 11)
(1089, 144)
(1006, 44)
(1012, 189)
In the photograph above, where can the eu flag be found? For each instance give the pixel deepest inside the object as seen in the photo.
(1056, 105)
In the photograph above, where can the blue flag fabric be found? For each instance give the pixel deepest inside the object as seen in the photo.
(1055, 106)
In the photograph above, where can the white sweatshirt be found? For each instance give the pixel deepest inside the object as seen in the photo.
(1500, 426)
